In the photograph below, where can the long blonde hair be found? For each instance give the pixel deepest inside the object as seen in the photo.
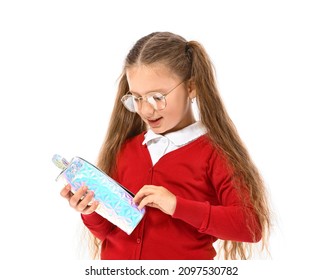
(189, 60)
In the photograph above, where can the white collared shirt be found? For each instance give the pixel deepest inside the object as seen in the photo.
(159, 145)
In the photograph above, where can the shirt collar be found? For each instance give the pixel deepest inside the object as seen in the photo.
(180, 137)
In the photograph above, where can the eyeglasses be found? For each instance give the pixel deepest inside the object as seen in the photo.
(156, 99)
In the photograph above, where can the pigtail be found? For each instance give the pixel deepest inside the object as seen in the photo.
(222, 132)
(212, 111)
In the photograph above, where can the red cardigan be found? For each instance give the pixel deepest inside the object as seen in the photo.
(207, 208)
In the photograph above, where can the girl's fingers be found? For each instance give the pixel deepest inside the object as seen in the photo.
(142, 193)
(66, 192)
(84, 203)
(81, 200)
(157, 197)
(143, 202)
(91, 209)
(78, 195)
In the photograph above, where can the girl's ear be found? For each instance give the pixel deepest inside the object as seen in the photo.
(191, 88)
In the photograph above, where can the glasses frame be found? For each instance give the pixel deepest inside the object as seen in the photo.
(129, 94)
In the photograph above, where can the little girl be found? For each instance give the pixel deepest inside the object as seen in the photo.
(195, 178)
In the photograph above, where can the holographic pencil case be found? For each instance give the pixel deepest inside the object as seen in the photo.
(115, 201)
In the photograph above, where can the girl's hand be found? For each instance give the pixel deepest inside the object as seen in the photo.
(157, 197)
(80, 200)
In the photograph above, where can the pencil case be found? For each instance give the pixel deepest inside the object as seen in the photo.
(115, 201)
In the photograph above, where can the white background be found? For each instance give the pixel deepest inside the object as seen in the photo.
(59, 66)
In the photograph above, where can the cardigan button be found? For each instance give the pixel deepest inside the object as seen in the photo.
(138, 240)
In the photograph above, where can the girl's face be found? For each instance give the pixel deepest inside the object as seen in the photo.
(157, 78)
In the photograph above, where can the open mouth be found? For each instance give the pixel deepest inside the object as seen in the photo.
(154, 123)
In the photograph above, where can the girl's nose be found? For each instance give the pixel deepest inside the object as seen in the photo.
(146, 109)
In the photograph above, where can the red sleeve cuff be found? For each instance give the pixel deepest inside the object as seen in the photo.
(92, 219)
(98, 225)
(195, 213)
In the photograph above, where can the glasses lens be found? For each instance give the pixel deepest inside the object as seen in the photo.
(157, 100)
(129, 103)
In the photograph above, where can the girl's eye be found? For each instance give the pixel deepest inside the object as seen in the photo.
(136, 99)
(158, 97)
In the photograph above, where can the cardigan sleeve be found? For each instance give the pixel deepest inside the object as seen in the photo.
(232, 218)
(97, 225)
